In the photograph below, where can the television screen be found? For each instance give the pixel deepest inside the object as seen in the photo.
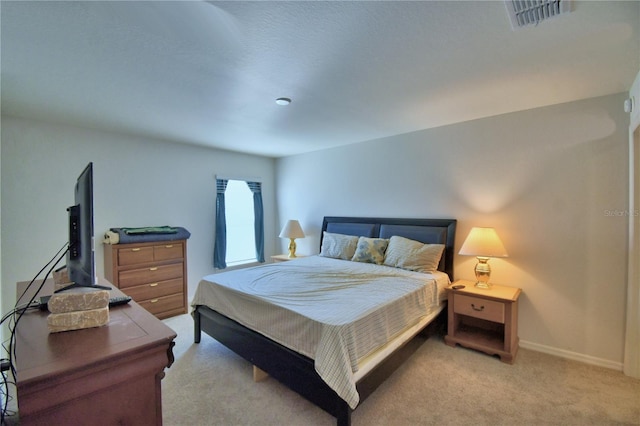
(80, 257)
(80, 260)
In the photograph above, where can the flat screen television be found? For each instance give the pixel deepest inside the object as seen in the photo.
(81, 254)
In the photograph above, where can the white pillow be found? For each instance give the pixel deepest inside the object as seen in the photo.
(413, 255)
(338, 246)
(370, 250)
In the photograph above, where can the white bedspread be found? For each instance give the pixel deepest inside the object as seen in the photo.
(333, 311)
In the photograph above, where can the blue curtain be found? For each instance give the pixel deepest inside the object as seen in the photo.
(258, 224)
(220, 246)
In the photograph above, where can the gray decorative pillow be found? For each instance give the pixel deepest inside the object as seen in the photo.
(370, 250)
(413, 255)
(338, 246)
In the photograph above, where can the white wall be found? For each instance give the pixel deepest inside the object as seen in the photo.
(552, 181)
(137, 182)
(632, 332)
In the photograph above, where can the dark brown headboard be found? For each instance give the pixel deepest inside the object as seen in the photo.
(428, 231)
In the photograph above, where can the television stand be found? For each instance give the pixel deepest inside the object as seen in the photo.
(104, 375)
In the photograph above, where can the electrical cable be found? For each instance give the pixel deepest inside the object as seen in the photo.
(14, 318)
(12, 331)
(6, 365)
(17, 309)
(64, 246)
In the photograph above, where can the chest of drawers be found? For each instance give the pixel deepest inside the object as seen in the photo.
(153, 274)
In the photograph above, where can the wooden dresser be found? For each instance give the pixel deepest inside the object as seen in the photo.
(153, 274)
(109, 375)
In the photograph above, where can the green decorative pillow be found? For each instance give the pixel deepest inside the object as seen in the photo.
(338, 246)
(413, 255)
(370, 250)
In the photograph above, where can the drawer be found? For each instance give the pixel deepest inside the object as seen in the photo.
(132, 256)
(150, 275)
(155, 290)
(478, 307)
(165, 303)
(167, 252)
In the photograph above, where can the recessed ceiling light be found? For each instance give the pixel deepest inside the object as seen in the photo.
(283, 101)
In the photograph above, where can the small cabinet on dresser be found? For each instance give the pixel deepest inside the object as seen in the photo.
(154, 274)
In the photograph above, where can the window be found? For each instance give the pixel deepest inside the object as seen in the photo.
(240, 241)
(239, 223)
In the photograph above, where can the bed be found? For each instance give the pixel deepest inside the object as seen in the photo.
(337, 365)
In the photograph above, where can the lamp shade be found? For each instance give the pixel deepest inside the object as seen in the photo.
(483, 242)
(292, 229)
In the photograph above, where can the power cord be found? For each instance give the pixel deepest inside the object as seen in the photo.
(13, 318)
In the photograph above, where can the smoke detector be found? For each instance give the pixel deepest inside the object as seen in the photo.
(523, 13)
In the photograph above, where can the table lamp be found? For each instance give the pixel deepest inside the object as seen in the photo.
(292, 230)
(483, 243)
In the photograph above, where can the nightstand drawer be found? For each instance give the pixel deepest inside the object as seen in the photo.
(477, 307)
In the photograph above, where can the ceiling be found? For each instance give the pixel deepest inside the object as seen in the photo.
(208, 73)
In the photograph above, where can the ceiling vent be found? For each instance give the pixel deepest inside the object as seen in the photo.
(531, 12)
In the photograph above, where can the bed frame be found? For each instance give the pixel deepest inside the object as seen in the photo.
(297, 371)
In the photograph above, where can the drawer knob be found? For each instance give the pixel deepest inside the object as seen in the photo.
(475, 308)
(153, 285)
(135, 249)
(154, 300)
(168, 246)
(155, 268)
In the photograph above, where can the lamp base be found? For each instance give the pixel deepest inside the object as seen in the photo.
(292, 248)
(483, 273)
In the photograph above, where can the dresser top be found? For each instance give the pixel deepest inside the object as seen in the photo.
(41, 354)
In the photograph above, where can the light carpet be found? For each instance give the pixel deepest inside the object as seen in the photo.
(439, 385)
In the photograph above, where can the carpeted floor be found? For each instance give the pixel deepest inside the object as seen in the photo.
(438, 385)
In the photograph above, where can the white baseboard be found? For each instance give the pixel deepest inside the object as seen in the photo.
(587, 359)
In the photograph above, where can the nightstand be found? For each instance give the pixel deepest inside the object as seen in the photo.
(283, 258)
(484, 319)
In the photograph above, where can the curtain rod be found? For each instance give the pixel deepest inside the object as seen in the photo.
(246, 179)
